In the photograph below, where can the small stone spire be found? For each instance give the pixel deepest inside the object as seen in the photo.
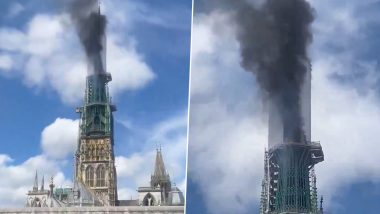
(43, 183)
(51, 186)
(35, 186)
(161, 179)
(159, 167)
(321, 205)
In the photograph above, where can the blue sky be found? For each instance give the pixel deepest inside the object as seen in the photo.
(228, 122)
(41, 82)
(150, 89)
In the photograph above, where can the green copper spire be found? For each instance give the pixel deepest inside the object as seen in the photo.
(96, 114)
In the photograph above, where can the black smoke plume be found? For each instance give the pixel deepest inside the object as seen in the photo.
(90, 26)
(273, 40)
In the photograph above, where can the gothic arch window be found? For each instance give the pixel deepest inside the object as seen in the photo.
(149, 200)
(36, 202)
(90, 176)
(101, 153)
(100, 176)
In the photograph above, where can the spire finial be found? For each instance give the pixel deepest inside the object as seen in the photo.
(158, 147)
(35, 186)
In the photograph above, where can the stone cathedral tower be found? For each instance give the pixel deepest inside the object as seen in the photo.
(95, 160)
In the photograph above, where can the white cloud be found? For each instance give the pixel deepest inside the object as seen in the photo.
(59, 139)
(135, 170)
(228, 122)
(15, 9)
(46, 55)
(6, 63)
(134, 12)
(12, 39)
(345, 120)
(5, 159)
(226, 135)
(19, 178)
(49, 56)
(127, 67)
(345, 124)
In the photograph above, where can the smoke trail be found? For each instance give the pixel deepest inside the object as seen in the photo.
(273, 41)
(90, 26)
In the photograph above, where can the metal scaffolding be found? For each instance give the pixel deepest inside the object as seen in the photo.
(289, 184)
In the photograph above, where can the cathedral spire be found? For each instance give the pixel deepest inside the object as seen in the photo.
(159, 167)
(51, 186)
(161, 179)
(321, 205)
(42, 183)
(35, 186)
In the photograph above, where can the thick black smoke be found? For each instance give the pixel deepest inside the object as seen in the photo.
(90, 26)
(273, 41)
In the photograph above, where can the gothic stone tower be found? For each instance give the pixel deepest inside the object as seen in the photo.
(161, 179)
(95, 160)
(160, 191)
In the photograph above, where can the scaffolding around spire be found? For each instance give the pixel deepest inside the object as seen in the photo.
(289, 183)
(313, 190)
(264, 202)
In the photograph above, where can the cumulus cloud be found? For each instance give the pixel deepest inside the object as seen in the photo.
(134, 12)
(226, 133)
(137, 167)
(19, 178)
(46, 55)
(59, 139)
(50, 57)
(135, 170)
(349, 158)
(345, 120)
(228, 121)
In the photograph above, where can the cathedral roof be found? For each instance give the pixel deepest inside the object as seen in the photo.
(86, 195)
(176, 197)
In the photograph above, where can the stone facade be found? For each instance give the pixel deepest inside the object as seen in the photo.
(95, 167)
(98, 210)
